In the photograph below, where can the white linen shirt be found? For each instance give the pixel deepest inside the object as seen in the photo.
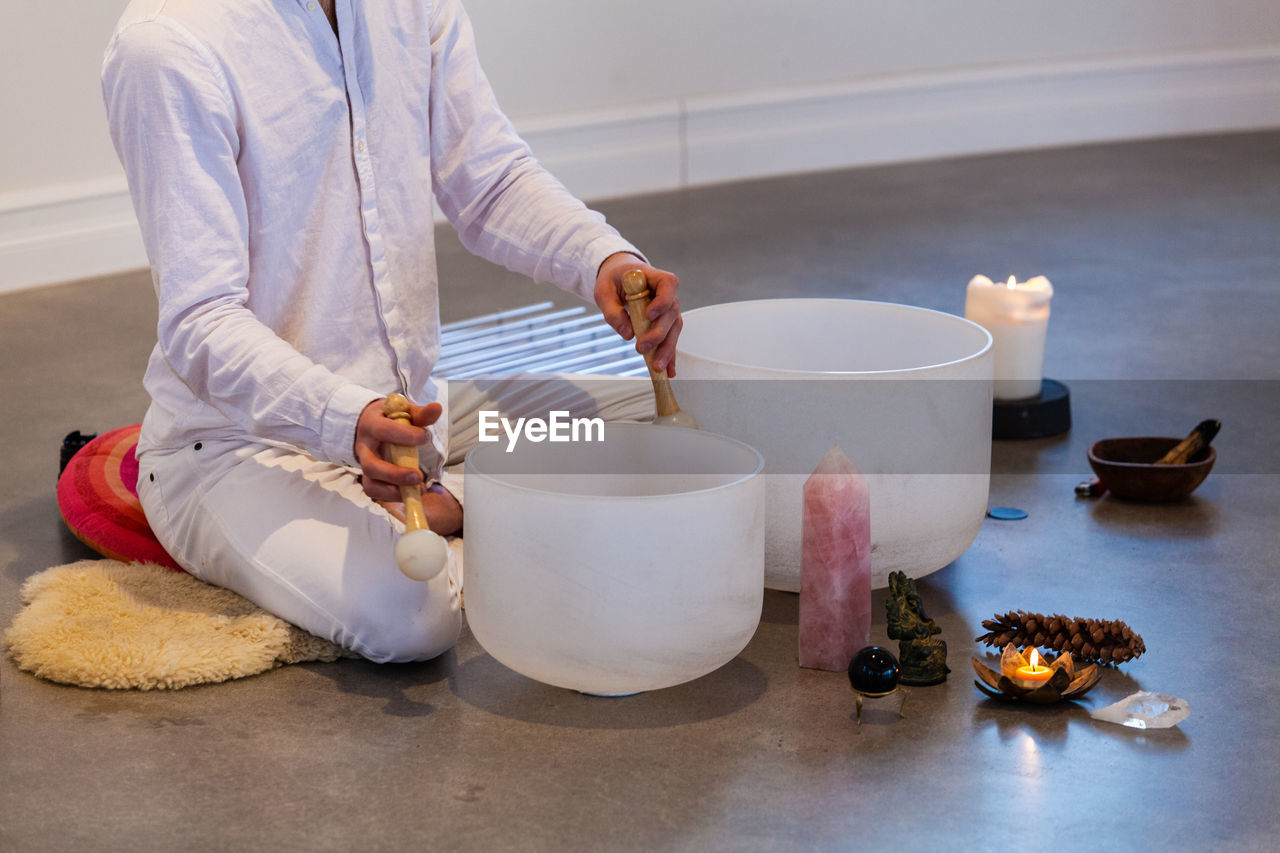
(283, 179)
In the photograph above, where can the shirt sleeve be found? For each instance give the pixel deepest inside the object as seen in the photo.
(172, 119)
(505, 206)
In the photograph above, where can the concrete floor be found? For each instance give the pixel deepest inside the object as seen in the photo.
(1165, 259)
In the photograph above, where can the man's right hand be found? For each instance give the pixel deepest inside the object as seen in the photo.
(382, 480)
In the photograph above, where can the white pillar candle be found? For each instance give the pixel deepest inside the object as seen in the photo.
(1017, 316)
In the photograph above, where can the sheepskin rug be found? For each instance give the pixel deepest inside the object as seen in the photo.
(105, 623)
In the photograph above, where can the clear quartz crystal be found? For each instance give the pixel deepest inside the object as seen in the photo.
(1145, 710)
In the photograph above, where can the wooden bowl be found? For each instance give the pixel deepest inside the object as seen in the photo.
(1126, 466)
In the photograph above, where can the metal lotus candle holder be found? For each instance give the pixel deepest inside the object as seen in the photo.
(1065, 682)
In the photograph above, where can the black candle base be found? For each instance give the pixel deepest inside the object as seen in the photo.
(1048, 413)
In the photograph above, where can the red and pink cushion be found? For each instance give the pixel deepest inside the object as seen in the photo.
(98, 498)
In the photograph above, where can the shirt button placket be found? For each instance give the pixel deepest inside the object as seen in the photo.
(385, 294)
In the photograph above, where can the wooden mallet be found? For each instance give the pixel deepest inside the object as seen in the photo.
(637, 291)
(421, 553)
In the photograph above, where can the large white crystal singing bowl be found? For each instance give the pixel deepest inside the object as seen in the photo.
(904, 391)
(615, 566)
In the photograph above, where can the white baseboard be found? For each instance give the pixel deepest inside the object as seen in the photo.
(68, 231)
(612, 153)
(981, 110)
(60, 233)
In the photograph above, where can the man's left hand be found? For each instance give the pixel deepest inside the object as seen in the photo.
(664, 309)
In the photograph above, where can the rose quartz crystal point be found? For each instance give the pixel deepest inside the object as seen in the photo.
(835, 565)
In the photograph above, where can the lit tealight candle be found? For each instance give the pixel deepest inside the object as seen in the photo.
(1017, 316)
(1034, 672)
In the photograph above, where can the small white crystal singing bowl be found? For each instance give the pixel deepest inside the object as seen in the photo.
(617, 566)
(911, 407)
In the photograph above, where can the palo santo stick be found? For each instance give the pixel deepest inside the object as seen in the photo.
(1192, 444)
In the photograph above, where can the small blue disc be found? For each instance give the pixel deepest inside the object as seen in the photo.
(1007, 513)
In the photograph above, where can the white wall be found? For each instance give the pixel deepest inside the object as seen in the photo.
(620, 97)
(594, 54)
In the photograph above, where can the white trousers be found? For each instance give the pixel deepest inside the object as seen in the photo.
(299, 537)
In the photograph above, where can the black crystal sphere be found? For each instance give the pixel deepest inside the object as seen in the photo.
(874, 670)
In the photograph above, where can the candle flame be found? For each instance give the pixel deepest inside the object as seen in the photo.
(1035, 659)
(1012, 283)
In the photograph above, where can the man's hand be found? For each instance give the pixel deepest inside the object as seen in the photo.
(382, 480)
(664, 310)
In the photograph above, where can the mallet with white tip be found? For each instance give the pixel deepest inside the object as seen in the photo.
(637, 290)
(420, 553)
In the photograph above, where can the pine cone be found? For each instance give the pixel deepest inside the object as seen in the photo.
(1091, 640)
